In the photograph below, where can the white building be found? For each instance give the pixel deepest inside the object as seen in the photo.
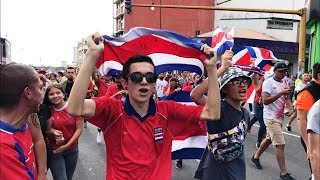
(280, 27)
(80, 51)
(283, 27)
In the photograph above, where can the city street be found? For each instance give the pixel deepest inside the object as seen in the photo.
(91, 164)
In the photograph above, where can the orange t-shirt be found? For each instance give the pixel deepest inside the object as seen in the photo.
(304, 100)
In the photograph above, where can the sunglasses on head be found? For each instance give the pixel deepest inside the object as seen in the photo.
(137, 77)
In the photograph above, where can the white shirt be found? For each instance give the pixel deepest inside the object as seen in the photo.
(313, 120)
(276, 108)
(300, 86)
(160, 84)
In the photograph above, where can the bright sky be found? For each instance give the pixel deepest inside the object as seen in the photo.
(44, 32)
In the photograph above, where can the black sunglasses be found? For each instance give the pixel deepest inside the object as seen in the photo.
(238, 82)
(137, 77)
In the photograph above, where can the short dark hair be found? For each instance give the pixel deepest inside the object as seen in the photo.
(135, 59)
(316, 70)
(70, 67)
(14, 78)
(46, 96)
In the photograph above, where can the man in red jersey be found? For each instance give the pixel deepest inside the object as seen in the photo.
(139, 131)
(20, 94)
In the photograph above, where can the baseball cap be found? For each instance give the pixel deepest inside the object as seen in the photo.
(232, 73)
(280, 66)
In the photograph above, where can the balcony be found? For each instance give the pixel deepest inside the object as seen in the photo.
(119, 28)
(119, 12)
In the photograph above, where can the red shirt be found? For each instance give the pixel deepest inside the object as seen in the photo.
(258, 95)
(17, 159)
(166, 88)
(113, 88)
(140, 148)
(64, 123)
(90, 88)
(102, 87)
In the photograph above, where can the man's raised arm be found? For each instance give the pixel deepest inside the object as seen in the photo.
(211, 110)
(77, 104)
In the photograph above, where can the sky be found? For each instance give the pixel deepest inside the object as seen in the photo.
(44, 32)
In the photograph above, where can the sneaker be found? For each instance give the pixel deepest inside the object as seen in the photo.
(257, 145)
(256, 162)
(99, 138)
(85, 125)
(178, 164)
(252, 113)
(288, 127)
(287, 177)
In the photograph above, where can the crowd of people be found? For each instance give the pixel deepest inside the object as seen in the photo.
(42, 116)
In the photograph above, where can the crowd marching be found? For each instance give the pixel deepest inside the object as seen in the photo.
(43, 113)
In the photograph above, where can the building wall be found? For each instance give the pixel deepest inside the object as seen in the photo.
(260, 25)
(81, 50)
(183, 21)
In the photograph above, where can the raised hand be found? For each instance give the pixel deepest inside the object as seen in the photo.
(95, 45)
(226, 59)
(212, 62)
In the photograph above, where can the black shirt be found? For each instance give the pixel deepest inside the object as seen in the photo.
(209, 168)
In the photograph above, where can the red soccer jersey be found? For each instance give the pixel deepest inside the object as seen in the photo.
(166, 88)
(64, 123)
(17, 159)
(90, 88)
(102, 87)
(140, 148)
(113, 88)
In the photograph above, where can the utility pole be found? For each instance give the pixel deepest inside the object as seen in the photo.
(301, 12)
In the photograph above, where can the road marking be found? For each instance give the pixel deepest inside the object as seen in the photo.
(289, 134)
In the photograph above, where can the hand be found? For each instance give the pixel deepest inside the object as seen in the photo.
(286, 91)
(226, 59)
(207, 49)
(121, 92)
(57, 133)
(124, 92)
(93, 48)
(60, 149)
(177, 90)
(212, 62)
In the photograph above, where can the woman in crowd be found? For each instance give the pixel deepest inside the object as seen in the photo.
(63, 135)
(258, 108)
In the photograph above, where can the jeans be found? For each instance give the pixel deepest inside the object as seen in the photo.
(258, 113)
(63, 165)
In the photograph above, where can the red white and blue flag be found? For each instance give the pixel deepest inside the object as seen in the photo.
(263, 60)
(222, 41)
(168, 50)
(192, 143)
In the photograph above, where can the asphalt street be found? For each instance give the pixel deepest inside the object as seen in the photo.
(91, 163)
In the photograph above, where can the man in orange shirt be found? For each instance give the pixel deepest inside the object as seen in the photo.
(305, 99)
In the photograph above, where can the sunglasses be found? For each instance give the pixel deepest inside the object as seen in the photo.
(137, 77)
(237, 83)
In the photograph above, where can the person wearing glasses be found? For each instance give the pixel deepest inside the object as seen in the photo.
(274, 94)
(138, 131)
(224, 158)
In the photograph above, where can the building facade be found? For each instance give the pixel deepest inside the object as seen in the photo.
(284, 28)
(187, 22)
(79, 52)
